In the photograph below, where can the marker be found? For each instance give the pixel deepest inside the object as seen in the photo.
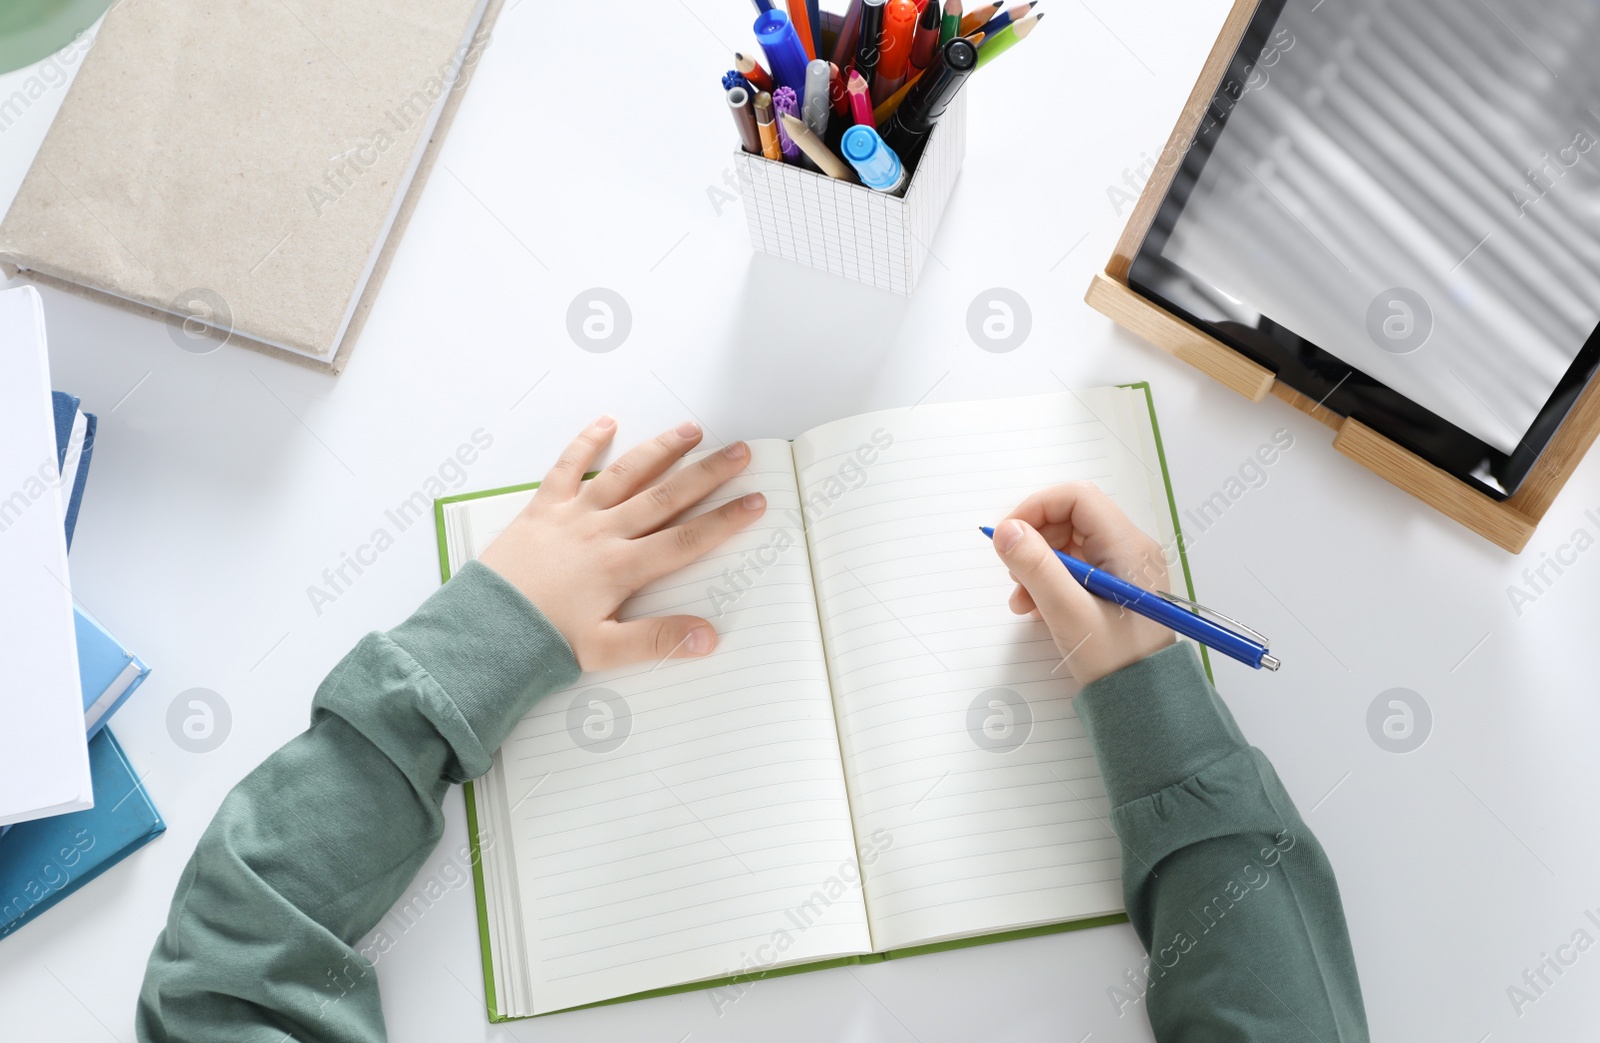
(781, 44)
(732, 79)
(899, 25)
(786, 103)
(744, 117)
(813, 147)
(844, 47)
(1171, 611)
(836, 92)
(927, 102)
(869, 40)
(925, 44)
(877, 164)
(819, 75)
(769, 132)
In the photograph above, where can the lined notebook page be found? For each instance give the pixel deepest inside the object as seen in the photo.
(678, 821)
(960, 741)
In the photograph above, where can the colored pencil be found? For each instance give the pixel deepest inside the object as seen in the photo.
(1006, 17)
(800, 17)
(860, 104)
(1006, 39)
(815, 150)
(768, 130)
(751, 70)
(886, 108)
(976, 19)
(950, 24)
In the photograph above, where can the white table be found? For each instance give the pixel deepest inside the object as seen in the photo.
(223, 485)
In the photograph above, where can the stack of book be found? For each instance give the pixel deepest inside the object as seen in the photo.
(71, 805)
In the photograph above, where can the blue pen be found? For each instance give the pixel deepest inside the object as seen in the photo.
(1179, 614)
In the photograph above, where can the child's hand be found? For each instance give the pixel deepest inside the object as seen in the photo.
(580, 549)
(1096, 637)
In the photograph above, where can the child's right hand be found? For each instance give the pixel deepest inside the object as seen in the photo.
(1096, 636)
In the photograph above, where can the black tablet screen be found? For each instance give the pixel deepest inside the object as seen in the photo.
(1395, 205)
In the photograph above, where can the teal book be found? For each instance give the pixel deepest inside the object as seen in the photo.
(45, 860)
(878, 760)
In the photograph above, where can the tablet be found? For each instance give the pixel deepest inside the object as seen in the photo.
(1394, 205)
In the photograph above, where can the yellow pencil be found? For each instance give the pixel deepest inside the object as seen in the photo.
(977, 18)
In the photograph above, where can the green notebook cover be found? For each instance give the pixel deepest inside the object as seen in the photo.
(743, 979)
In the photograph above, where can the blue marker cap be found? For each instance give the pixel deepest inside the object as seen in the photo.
(877, 164)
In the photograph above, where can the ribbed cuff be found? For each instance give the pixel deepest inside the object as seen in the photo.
(489, 648)
(1155, 723)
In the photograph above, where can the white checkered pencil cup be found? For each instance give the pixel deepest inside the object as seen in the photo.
(849, 229)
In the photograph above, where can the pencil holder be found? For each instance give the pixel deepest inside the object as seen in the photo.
(850, 229)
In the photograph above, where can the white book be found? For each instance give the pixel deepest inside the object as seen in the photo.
(879, 756)
(44, 757)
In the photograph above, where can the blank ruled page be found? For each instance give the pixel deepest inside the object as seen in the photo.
(681, 820)
(961, 745)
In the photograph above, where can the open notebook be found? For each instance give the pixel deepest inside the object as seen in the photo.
(878, 758)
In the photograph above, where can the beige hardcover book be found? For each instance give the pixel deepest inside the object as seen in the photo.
(247, 166)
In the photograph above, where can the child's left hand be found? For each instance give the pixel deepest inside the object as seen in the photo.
(580, 549)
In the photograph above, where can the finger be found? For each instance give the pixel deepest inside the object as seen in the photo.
(657, 639)
(641, 465)
(575, 460)
(659, 504)
(1061, 600)
(1021, 602)
(671, 549)
(1081, 518)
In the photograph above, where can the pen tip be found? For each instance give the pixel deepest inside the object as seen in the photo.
(987, 531)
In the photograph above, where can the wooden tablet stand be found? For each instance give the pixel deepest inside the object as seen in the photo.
(1509, 523)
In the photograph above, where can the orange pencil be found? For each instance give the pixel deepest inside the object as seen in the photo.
(801, 18)
(977, 18)
(751, 70)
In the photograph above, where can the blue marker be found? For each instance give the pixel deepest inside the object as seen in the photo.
(1171, 611)
(785, 56)
(877, 164)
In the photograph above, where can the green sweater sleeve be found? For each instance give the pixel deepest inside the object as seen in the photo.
(312, 847)
(1232, 896)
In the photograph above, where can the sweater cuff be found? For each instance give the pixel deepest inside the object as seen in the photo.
(1155, 723)
(491, 651)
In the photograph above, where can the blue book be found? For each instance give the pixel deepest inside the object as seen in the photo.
(108, 671)
(68, 420)
(43, 861)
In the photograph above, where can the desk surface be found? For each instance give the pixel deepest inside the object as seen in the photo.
(225, 484)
